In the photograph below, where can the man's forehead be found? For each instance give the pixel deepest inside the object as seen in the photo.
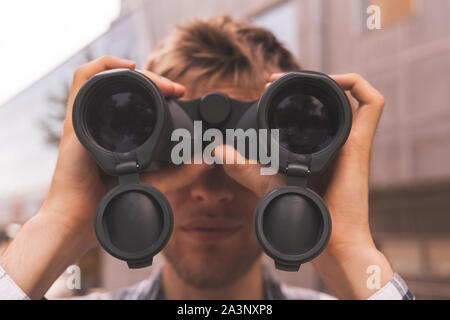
(224, 87)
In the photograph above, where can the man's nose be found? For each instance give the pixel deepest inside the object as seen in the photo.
(213, 187)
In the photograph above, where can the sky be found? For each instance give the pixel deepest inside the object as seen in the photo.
(36, 36)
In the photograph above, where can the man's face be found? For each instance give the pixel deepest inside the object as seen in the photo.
(213, 243)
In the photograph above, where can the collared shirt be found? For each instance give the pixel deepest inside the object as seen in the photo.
(151, 289)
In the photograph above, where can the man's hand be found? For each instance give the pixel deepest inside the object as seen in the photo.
(345, 188)
(77, 186)
(63, 229)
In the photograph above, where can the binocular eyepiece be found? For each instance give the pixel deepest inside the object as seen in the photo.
(122, 118)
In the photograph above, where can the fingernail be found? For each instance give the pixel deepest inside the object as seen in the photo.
(276, 75)
(178, 86)
(166, 82)
(131, 64)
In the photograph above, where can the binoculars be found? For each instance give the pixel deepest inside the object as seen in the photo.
(121, 117)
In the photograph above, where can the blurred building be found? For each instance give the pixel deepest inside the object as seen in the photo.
(408, 60)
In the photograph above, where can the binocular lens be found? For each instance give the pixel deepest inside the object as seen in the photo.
(306, 123)
(121, 120)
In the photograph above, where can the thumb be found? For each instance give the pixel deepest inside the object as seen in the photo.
(245, 171)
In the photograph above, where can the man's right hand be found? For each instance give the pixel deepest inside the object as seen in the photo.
(63, 229)
(77, 186)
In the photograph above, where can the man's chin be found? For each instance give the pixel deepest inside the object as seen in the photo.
(203, 271)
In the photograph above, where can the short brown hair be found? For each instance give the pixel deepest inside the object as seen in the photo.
(221, 48)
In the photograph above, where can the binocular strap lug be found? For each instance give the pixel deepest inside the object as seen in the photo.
(128, 172)
(297, 174)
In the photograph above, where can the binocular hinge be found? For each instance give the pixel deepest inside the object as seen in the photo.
(297, 174)
(128, 172)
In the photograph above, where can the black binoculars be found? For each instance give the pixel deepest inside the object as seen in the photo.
(122, 118)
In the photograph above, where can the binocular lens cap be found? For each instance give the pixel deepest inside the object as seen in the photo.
(133, 223)
(134, 211)
(292, 225)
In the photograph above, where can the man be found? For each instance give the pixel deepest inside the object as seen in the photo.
(212, 253)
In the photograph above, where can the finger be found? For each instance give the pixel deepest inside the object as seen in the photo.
(246, 173)
(275, 76)
(352, 104)
(86, 71)
(359, 87)
(371, 102)
(168, 87)
(175, 177)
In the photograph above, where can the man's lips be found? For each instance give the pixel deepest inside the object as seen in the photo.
(210, 230)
